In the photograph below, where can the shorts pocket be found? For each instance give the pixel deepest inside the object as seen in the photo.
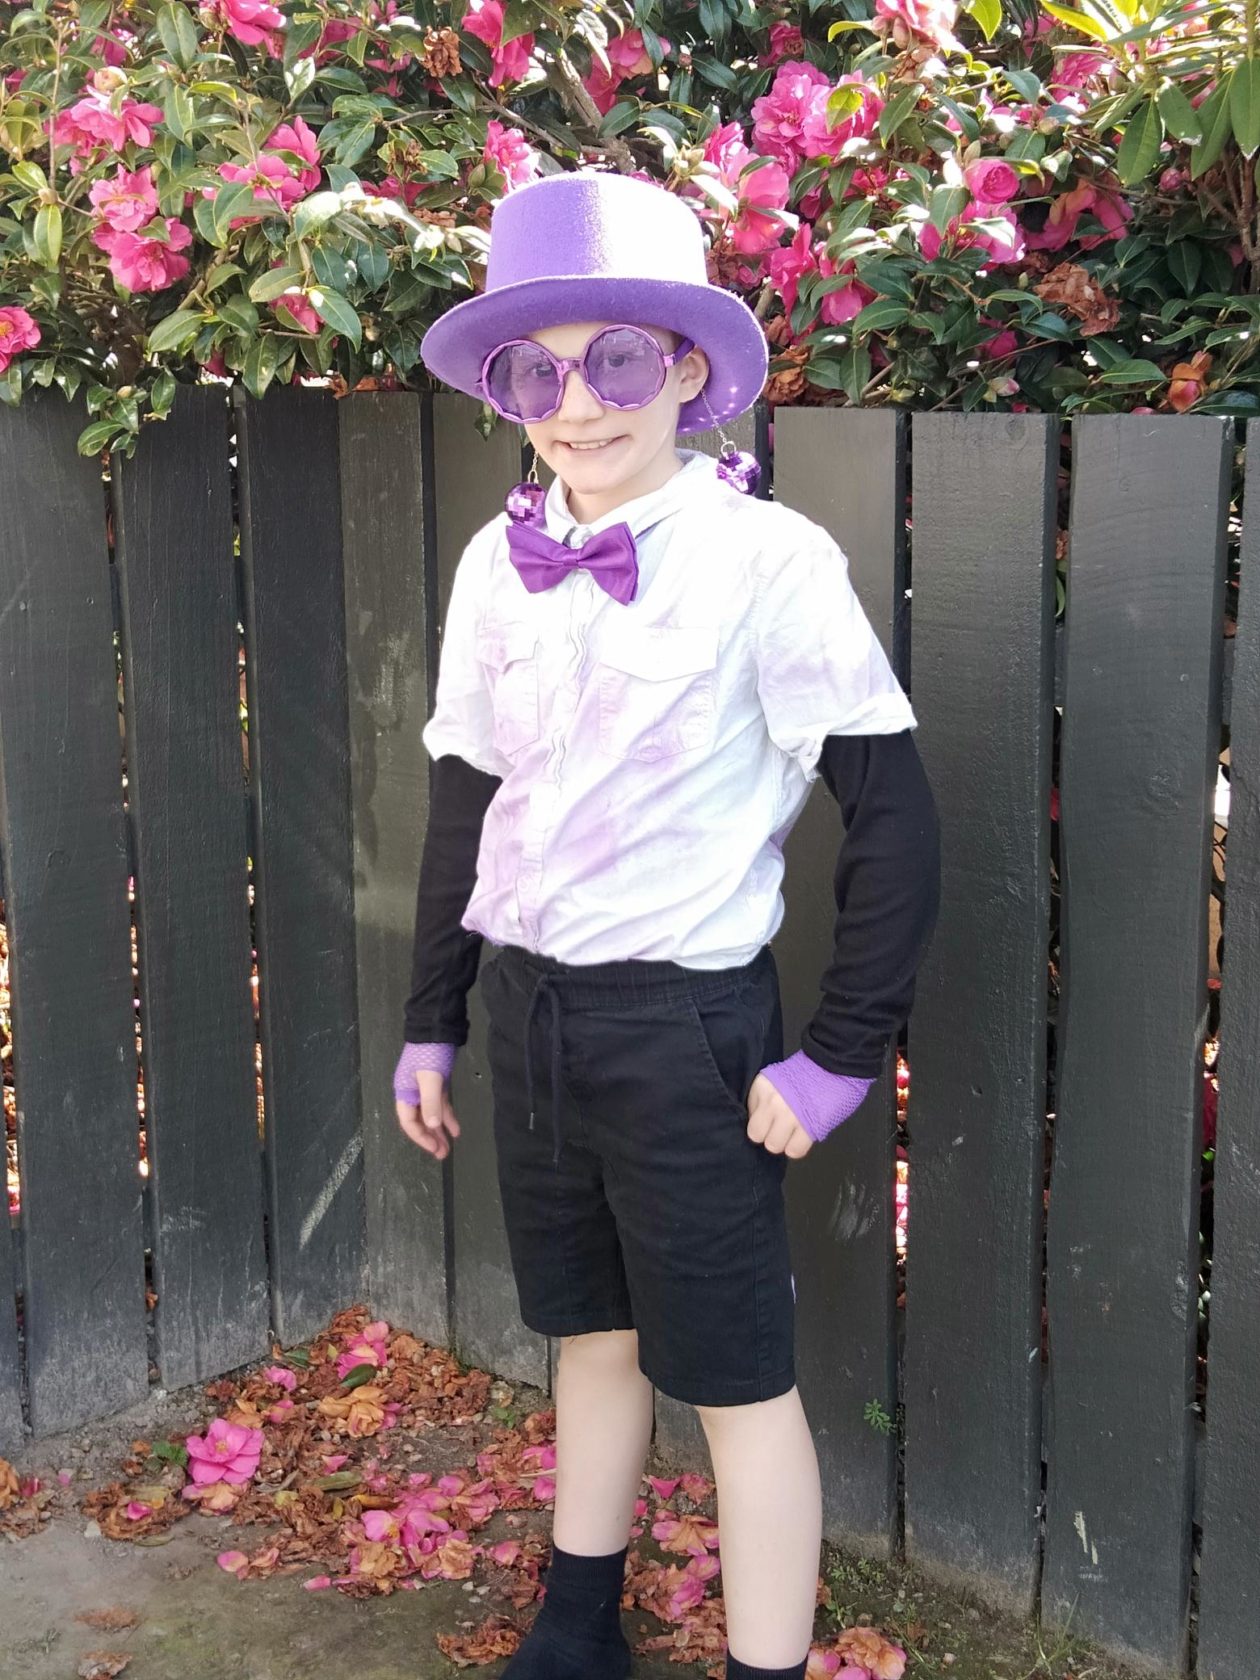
(657, 691)
(509, 654)
(729, 1036)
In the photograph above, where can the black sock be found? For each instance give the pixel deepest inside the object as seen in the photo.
(736, 1670)
(577, 1633)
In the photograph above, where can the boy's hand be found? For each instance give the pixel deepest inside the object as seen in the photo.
(772, 1122)
(433, 1124)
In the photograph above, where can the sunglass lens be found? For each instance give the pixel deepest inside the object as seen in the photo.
(625, 367)
(522, 381)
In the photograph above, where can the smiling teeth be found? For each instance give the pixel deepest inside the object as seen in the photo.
(603, 445)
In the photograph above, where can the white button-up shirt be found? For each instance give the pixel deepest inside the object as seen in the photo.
(654, 755)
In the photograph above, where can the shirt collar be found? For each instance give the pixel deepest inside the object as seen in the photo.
(697, 470)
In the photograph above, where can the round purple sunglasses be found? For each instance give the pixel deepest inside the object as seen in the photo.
(623, 365)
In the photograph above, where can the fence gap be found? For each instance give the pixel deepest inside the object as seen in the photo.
(984, 490)
(290, 517)
(390, 581)
(1229, 1606)
(1140, 742)
(66, 881)
(173, 522)
(473, 475)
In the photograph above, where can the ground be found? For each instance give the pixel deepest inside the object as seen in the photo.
(171, 1612)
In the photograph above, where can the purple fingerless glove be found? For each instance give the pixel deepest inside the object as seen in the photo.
(431, 1058)
(819, 1100)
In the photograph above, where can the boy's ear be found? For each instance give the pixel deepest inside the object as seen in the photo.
(693, 373)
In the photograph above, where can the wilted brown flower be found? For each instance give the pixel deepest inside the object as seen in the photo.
(440, 53)
(1069, 287)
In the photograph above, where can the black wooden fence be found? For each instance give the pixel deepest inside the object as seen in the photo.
(1080, 1486)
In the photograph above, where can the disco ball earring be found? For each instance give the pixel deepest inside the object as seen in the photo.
(735, 466)
(524, 501)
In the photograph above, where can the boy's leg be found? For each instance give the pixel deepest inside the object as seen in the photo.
(770, 1523)
(603, 1430)
(603, 1426)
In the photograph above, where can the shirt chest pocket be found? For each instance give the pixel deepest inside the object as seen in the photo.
(657, 691)
(508, 652)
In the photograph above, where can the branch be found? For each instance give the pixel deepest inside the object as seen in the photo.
(568, 84)
(513, 117)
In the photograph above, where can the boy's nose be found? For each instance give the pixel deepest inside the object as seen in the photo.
(577, 400)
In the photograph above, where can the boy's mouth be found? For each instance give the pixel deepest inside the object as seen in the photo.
(592, 448)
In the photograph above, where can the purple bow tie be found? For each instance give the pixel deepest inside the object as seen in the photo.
(609, 556)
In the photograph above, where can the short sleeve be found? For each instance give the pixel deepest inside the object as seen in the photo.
(820, 667)
(463, 713)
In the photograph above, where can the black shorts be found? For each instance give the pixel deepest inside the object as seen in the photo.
(632, 1194)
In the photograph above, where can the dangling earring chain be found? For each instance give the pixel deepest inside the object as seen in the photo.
(735, 466)
(524, 501)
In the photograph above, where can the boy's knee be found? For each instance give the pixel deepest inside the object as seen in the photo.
(611, 1345)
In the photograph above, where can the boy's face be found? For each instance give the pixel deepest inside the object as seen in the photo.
(636, 452)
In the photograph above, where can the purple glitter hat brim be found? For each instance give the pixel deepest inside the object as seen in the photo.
(722, 324)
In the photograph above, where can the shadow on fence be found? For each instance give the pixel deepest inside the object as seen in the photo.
(1026, 1419)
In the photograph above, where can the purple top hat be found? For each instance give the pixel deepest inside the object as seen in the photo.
(595, 246)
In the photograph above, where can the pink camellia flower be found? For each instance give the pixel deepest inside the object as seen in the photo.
(127, 199)
(779, 116)
(391, 187)
(282, 1377)
(1004, 343)
(235, 1563)
(227, 1452)
(841, 305)
(91, 122)
(786, 41)
(484, 19)
(366, 1347)
(921, 20)
(627, 56)
(146, 265)
(819, 138)
(296, 303)
(273, 181)
(790, 264)
(508, 151)
(991, 180)
(247, 21)
(298, 137)
(1074, 69)
(1172, 180)
(1004, 243)
(761, 191)
(1067, 209)
(136, 1509)
(18, 331)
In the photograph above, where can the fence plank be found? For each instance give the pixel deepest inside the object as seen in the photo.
(11, 1433)
(1140, 742)
(391, 634)
(471, 478)
(1229, 1606)
(64, 838)
(678, 1435)
(983, 567)
(846, 470)
(185, 788)
(290, 518)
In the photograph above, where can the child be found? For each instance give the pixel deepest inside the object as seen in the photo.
(641, 674)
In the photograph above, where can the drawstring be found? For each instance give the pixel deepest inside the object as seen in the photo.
(545, 983)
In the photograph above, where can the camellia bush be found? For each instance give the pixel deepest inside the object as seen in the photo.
(1016, 206)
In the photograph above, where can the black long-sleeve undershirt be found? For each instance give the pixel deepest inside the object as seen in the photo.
(887, 892)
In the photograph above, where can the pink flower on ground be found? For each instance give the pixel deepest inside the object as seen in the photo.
(227, 1452)
(366, 1347)
(298, 137)
(146, 265)
(627, 57)
(779, 116)
(508, 151)
(484, 19)
(924, 20)
(127, 199)
(819, 138)
(786, 41)
(136, 1509)
(991, 180)
(763, 190)
(18, 331)
(247, 21)
(236, 1563)
(282, 1377)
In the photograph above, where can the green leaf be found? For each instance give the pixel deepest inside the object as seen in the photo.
(619, 116)
(276, 280)
(174, 331)
(1143, 135)
(239, 312)
(31, 176)
(352, 145)
(855, 371)
(179, 34)
(518, 19)
(234, 198)
(988, 14)
(1137, 372)
(1214, 115)
(1084, 21)
(11, 384)
(1180, 117)
(898, 109)
(1244, 106)
(339, 1478)
(48, 234)
(946, 203)
(261, 363)
(882, 313)
(101, 433)
(1185, 260)
(333, 309)
(836, 29)
(716, 73)
(315, 212)
(358, 1374)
